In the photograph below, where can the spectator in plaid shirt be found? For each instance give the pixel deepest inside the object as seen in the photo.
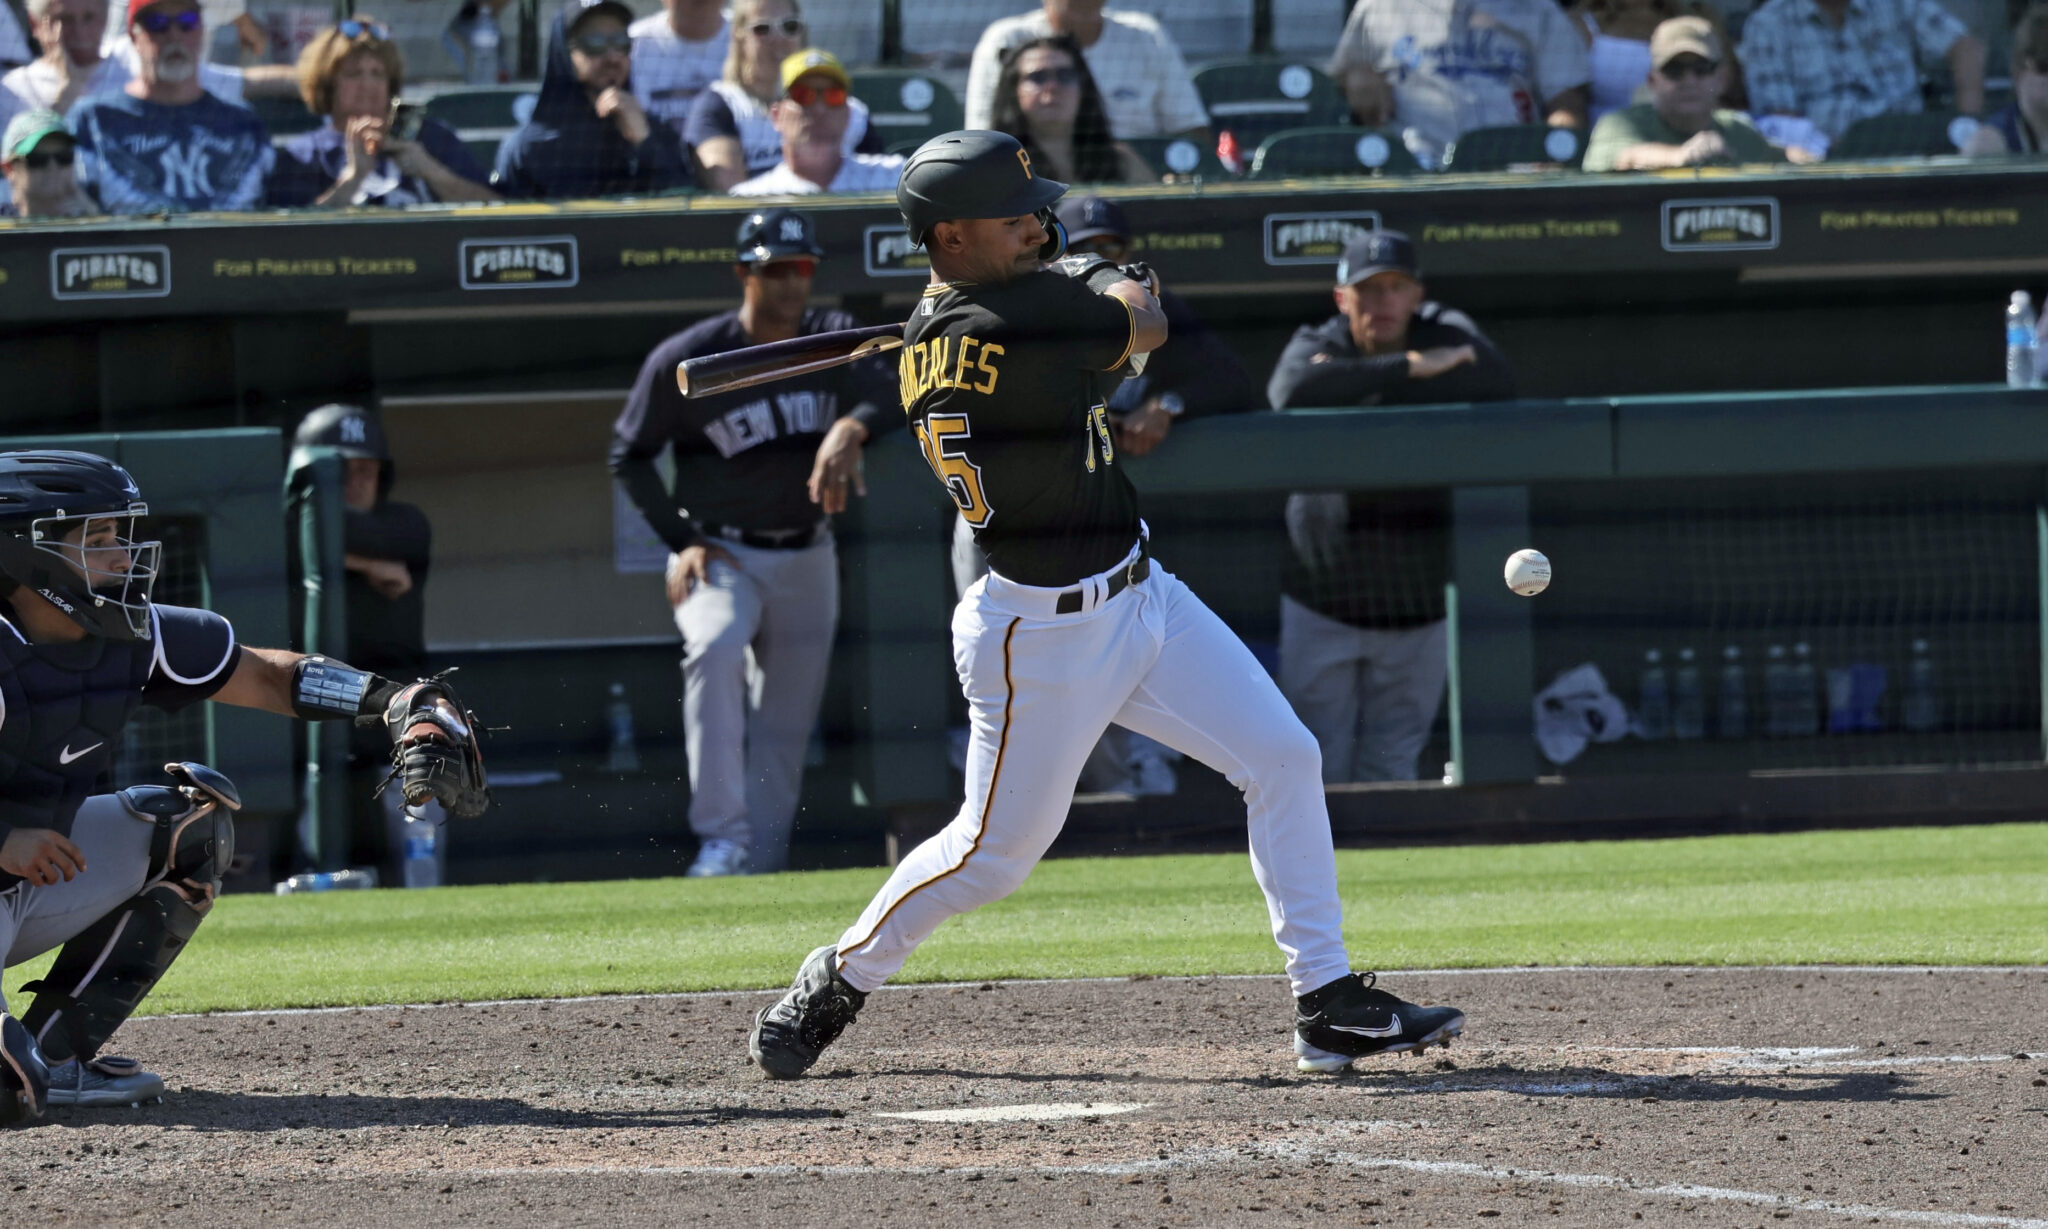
(1838, 61)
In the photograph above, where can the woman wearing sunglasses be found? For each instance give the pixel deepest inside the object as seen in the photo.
(1047, 99)
(730, 128)
(351, 73)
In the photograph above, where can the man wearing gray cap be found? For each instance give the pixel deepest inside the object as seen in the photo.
(1363, 641)
(37, 153)
(1679, 125)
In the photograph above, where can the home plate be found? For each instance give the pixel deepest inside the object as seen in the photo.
(1022, 1113)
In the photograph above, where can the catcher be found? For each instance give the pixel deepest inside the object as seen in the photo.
(122, 879)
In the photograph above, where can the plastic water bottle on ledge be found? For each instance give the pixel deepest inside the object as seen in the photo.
(1734, 716)
(1805, 697)
(329, 881)
(625, 750)
(422, 851)
(2021, 328)
(1777, 692)
(1653, 699)
(1921, 711)
(1689, 701)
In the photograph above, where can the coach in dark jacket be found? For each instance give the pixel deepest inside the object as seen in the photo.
(588, 135)
(1363, 642)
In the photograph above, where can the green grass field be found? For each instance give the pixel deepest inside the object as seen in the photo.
(1969, 895)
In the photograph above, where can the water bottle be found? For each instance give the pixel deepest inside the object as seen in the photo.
(422, 851)
(1653, 699)
(1688, 700)
(2041, 353)
(1777, 692)
(2020, 333)
(329, 881)
(1734, 715)
(1921, 711)
(1804, 699)
(482, 66)
(625, 753)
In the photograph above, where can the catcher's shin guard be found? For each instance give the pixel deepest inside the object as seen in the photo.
(24, 1080)
(103, 973)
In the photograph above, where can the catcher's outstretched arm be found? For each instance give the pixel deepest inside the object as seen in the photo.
(262, 678)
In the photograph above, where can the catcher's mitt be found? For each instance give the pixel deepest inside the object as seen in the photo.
(434, 752)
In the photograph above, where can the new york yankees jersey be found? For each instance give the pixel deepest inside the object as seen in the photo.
(1006, 387)
(63, 707)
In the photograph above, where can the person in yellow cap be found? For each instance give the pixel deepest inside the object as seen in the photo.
(1680, 125)
(36, 153)
(811, 117)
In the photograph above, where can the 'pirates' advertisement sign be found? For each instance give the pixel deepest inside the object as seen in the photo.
(1748, 224)
(110, 273)
(545, 262)
(886, 251)
(1314, 238)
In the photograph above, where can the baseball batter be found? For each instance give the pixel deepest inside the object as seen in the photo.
(1005, 374)
(753, 575)
(121, 880)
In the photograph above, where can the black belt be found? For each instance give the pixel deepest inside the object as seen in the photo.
(768, 539)
(1139, 569)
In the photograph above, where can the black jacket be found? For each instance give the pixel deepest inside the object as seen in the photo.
(568, 150)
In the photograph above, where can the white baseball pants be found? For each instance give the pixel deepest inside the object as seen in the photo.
(1041, 687)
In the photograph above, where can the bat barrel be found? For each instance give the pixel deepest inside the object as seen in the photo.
(779, 360)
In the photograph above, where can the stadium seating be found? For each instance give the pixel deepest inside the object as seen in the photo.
(1926, 135)
(1516, 147)
(489, 106)
(1303, 152)
(1254, 99)
(906, 106)
(1179, 156)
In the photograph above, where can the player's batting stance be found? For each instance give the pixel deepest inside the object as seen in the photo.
(1005, 373)
(121, 880)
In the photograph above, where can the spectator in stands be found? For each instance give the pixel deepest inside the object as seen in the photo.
(71, 66)
(588, 135)
(1833, 62)
(811, 117)
(36, 153)
(1617, 34)
(1146, 87)
(2020, 126)
(350, 73)
(1363, 641)
(1446, 69)
(163, 143)
(229, 82)
(729, 128)
(1680, 125)
(677, 54)
(1047, 99)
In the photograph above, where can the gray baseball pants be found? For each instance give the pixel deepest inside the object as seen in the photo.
(1370, 695)
(36, 919)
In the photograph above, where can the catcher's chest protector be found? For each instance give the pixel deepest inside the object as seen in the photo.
(65, 708)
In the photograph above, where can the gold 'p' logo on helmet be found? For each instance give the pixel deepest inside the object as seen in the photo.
(1025, 158)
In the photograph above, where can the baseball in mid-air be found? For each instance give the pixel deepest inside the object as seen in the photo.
(1528, 572)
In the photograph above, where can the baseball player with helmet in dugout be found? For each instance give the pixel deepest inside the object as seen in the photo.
(118, 881)
(1008, 364)
(753, 575)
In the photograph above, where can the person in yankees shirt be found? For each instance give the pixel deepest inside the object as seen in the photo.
(752, 565)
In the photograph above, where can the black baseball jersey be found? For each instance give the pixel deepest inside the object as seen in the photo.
(742, 458)
(1006, 388)
(63, 707)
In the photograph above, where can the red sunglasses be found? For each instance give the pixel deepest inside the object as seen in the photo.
(804, 95)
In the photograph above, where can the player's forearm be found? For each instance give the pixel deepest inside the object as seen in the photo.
(262, 679)
(1335, 381)
(651, 495)
(1148, 319)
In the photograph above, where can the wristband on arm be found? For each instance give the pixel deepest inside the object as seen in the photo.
(328, 690)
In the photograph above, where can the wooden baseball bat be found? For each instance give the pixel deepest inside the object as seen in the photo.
(779, 360)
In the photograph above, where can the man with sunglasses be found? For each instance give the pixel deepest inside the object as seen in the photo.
(811, 117)
(677, 53)
(589, 135)
(37, 153)
(1679, 125)
(164, 144)
(753, 571)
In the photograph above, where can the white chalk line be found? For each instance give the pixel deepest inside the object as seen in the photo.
(1056, 1111)
(1497, 971)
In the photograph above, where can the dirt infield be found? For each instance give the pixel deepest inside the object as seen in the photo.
(1598, 1098)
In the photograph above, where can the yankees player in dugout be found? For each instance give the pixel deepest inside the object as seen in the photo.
(752, 575)
(1006, 372)
(119, 881)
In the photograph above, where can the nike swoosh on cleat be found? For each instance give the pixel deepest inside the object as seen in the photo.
(67, 754)
(1393, 1029)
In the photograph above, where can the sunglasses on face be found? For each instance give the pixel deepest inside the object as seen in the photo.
(598, 44)
(41, 161)
(804, 95)
(1043, 77)
(788, 27)
(1679, 70)
(802, 266)
(353, 28)
(161, 23)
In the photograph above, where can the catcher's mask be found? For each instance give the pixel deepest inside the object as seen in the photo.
(68, 534)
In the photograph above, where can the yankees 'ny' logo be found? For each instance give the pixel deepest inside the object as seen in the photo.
(187, 173)
(792, 231)
(352, 431)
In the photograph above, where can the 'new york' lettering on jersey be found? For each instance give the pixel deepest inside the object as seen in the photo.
(1007, 389)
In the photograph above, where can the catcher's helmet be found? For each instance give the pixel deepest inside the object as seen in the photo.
(976, 174)
(776, 234)
(46, 497)
(347, 431)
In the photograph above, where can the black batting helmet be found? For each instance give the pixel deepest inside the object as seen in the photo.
(776, 234)
(976, 174)
(46, 496)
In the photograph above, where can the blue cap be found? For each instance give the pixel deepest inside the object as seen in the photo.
(1085, 217)
(1378, 251)
(776, 234)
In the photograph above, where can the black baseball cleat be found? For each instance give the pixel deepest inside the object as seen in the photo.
(106, 1080)
(1348, 1019)
(24, 1077)
(791, 1033)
